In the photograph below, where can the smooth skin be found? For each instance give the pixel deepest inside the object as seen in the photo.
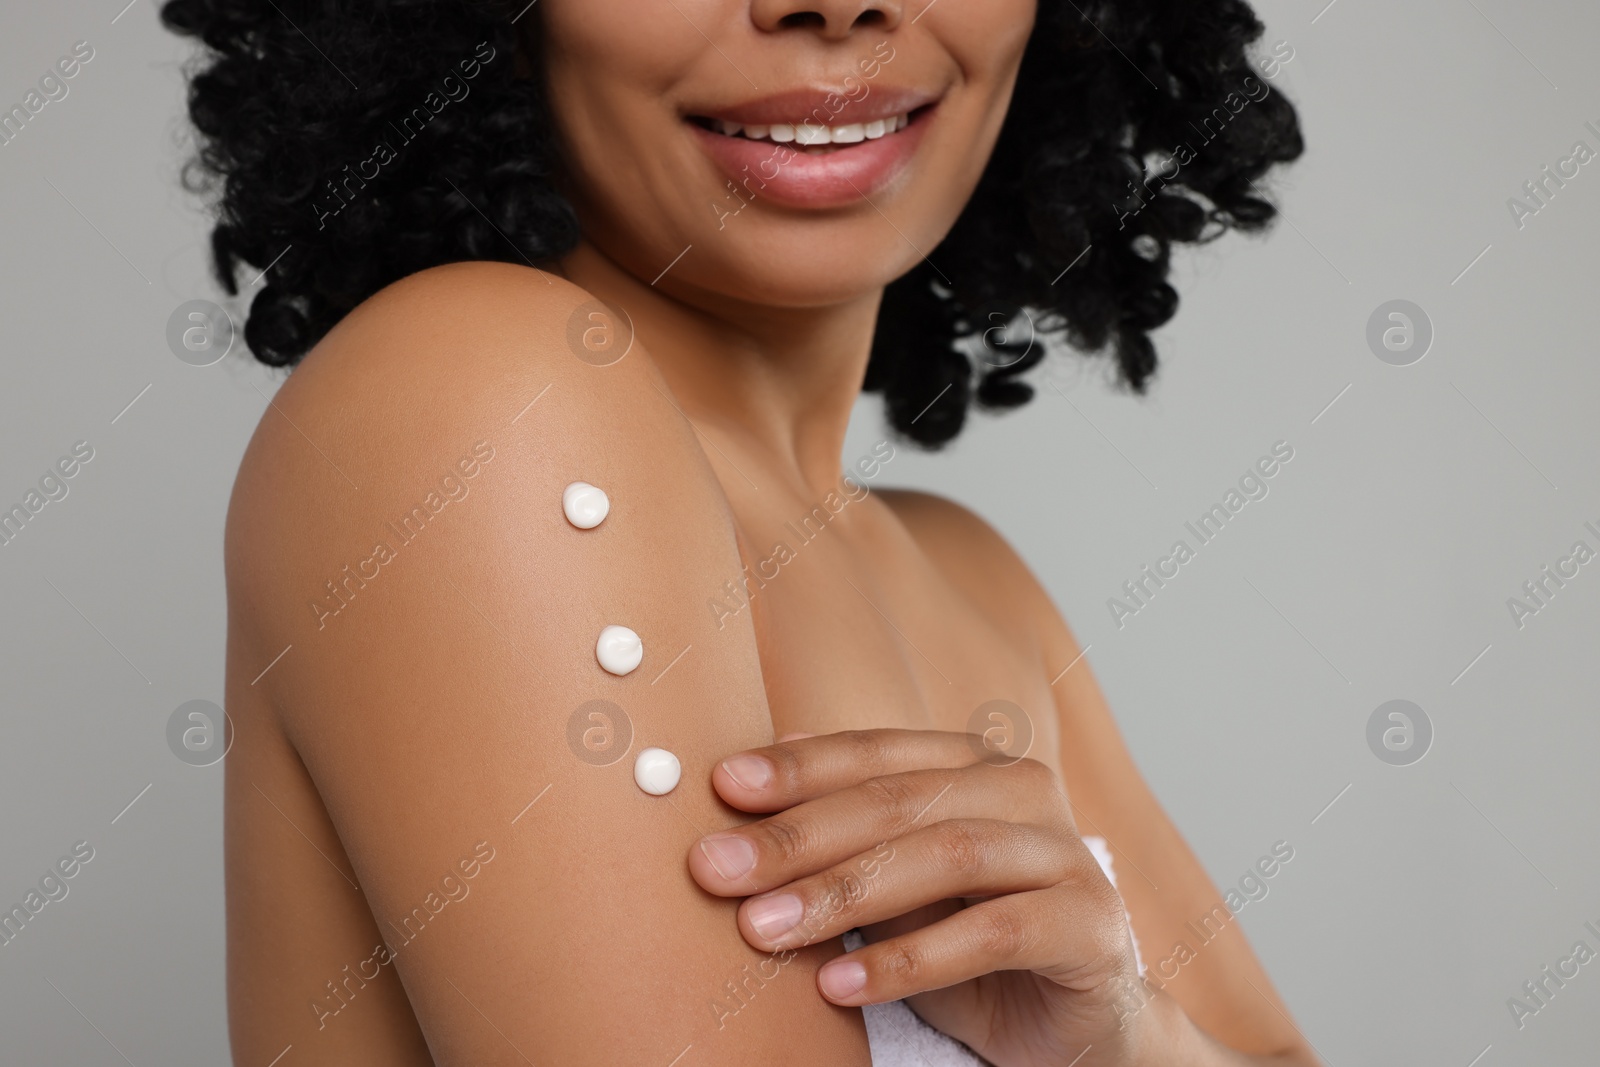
(422, 868)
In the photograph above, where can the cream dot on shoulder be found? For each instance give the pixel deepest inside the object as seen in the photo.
(586, 505)
(657, 771)
(619, 649)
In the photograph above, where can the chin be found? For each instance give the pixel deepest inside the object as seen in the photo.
(804, 264)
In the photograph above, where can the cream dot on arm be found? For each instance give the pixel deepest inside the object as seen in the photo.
(657, 771)
(619, 649)
(586, 506)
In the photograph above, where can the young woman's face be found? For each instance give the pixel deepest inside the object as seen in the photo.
(803, 151)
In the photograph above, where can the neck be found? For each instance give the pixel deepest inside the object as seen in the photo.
(779, 380)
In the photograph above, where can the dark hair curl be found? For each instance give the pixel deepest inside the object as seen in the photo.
(1087, 179)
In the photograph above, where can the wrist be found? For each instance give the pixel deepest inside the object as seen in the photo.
(1153, 1031)
(1161, 1034)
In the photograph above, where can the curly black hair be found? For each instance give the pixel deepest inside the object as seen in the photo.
(1135, 124)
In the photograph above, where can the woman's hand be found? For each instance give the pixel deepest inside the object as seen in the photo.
(900, 828)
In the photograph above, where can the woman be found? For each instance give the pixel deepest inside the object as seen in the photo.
(658, 248)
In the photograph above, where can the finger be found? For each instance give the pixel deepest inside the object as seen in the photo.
(816, 834)
(1071, 934)
(784, 774)
(953, 858)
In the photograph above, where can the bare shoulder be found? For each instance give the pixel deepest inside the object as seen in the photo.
(426, 392)
(423, 369)
(978, 559)
(397, 531)
(939, 522)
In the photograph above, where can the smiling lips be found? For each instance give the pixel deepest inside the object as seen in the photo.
(808, 133)
(795, 150)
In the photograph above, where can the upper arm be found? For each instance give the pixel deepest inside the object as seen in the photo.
(1172, 902)
(1218, 981)
(398, 525)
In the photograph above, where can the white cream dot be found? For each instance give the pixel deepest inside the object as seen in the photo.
(586, 505)
(657, 771)
(619, 649)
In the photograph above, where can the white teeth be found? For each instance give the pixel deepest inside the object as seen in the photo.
(808, 134)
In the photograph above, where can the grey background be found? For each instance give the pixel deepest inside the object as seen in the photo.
(1377, 568)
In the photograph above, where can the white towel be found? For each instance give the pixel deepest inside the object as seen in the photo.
(899, 1038)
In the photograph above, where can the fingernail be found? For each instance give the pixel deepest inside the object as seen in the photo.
(773, 917)
(732, 857)
(842, 979)
(749, 772)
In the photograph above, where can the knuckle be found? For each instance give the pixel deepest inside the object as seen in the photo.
(1092, 874)
(899, 963)
(1110, 937)
(962, 847)
(1081, 873)
(787, 839)
(1057, 853)
(1086, 870)
(788, 772)
(1104, 915)
(894, 795)
(1036, 772)
(1108, 902)
(867, 748)
(1001, 928)
(1065, 867)
(834, 893)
